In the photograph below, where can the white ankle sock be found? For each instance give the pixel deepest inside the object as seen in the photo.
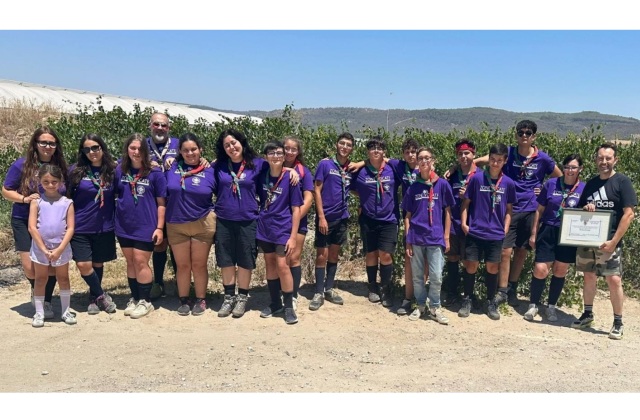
(39, 301)
(65, 300)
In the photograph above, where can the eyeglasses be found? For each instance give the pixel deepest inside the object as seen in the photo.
(376, 149)
(159, 124)
(527, 133)
(345, 144)
(291, 149)
(571, 168)
(425, 159)
(275, 154)
(49, 144)
(94, 148)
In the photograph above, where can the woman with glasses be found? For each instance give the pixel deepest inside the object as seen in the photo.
(556, 195)
(21, 187)
(91, 187)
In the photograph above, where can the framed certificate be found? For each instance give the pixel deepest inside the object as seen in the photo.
(585, 228)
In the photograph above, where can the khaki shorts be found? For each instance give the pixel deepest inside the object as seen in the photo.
(200, 230)
(593, 260)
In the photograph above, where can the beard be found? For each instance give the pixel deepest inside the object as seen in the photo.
(159, 138)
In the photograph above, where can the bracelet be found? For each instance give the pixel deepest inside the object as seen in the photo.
(23, 199)
(158, 228)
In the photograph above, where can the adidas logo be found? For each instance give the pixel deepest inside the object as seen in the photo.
(600, 199)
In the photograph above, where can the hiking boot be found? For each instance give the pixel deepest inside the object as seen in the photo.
(374, 293)
(386, 297)
(105, 303)
(316, 302)
(131, 305)
(157, 291)
(93, 309)
(48, 310)
(405, 307)
(227, 306)
(465, 309)
(475, 302)
(184, 309)
(142, 308)
(69, 317)
(199, 307)
(551, 314)
(616, 332)
(290, 316)
(38, 321)
(241, 306)
(531, 312)
(437, 315)
(271, 310)
(500, 297)
(492, 310)
(332, 296)
(585, 320)
(416, 314)
(512, 298)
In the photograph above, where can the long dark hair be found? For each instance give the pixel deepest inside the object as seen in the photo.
(84, 164)
(28, 179)
(185, 138)
(144, 152)
(247, 152)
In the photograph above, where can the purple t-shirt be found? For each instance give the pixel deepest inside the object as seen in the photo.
(457, 180)
(378, 205)
(305, 184)
(239, 206)
(138, 221)
(90, 217)
(551, 197)
(483, 221)
(193, 202)
(275, 220)
(532, 176)
(334, 202)
(161, 152)
(408, 175)
(423, 230)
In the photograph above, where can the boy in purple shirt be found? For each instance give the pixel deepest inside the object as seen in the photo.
(485, 218)
(427, 223)
(277, 231)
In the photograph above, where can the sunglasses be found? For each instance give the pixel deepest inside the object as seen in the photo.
(159, 124)
(527, 133)
(49, 144)
(94, 148)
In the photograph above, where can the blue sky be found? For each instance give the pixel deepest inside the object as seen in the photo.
(523, 71)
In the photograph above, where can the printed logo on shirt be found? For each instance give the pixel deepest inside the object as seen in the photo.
(369, 180)
(600, 199)
(486, 188)
(195, 180)
(140, 189)
(336, 172)
(530, 170)
(412, 178)
(424, 195)
(144, 181)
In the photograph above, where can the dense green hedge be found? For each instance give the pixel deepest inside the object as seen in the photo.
(116, 125)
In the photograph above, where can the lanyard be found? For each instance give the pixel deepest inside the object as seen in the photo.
(565, 193)
(433, 177)
(184, 174)
(271, 188)
(494, 188)
(99, 185)
(133, 180)
(378, 174)
(343, 175)
(235, 186)
(523, 167)
(156, 151)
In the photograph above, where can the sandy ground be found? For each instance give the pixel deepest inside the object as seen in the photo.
(358, 347)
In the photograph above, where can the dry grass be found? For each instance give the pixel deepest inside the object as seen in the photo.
(18, 118)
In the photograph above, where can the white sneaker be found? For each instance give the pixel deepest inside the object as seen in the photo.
(48, 310)
(551, 315)
(142, 308)
(131, 305)
(38, 321)
(531, 312)
(416, 314)
(69, 317)
(436, 314)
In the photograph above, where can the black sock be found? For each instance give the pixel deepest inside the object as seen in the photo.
(555, 289)
(617, 319)
(372, 274)
(588, 309)
(491, 280)
(48, 291)
(133, 286)
(145, 291)
(296, 273)
(32, 282)
(469, 283)
(453, 278)
(537, 287)
(320, 273)
(513, 285)
(184, 300)
(173, 262)
(100, 272)
(386, 271)
(331, 275)
(93, 282)
(274, 291)
(288, 299)
(243, 291)
(230, 289)
(159, 261)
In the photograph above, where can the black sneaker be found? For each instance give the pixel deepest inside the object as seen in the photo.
(316, 302)
(405, 308)
(387, 298)
(184, 309)
(492, 310)
(271, 310)
(512, 298)
(585, 321)
(374, 293)
(616, 332)
(451, 300)
(465, 309)
(332, 296)
(290, 316)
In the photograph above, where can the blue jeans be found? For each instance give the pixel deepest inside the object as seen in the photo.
(434, 256)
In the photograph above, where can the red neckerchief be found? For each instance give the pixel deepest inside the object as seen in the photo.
(235, 186)
(465, 181)
(433, 177)
(99, 185)
(494, 188)
(565, 194)
(186, 174)
(133, 180)
(271, 188)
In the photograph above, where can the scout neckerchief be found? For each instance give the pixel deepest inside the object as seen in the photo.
(156, 151)
(271, 187)
(99, 185)
(565, 193)
(185, 174)
(433, 177)
(523, 167)
(235, 186)
(378, 174)
(133, 180)
(494, 188)
(411, 177)
(463, 180)
(343, 175)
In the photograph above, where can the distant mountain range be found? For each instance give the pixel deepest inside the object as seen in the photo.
(445, 120)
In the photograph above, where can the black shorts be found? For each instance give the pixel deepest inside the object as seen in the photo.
(135, 244)
(337, 234)
(457, 245)
(236, 244)
(270, 248)
(94, 247)
(519, 230)
(21, 234)
(476, 247)
(547, 248)
(377, 235)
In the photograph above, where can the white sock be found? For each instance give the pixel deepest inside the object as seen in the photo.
(65, 300)
(39, 301)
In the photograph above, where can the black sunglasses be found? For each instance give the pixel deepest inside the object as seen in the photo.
(528, 133)
(94, 148)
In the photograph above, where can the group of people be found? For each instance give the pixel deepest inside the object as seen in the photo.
(161, 191)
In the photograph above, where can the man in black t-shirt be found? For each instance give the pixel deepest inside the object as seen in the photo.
(607, 191)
